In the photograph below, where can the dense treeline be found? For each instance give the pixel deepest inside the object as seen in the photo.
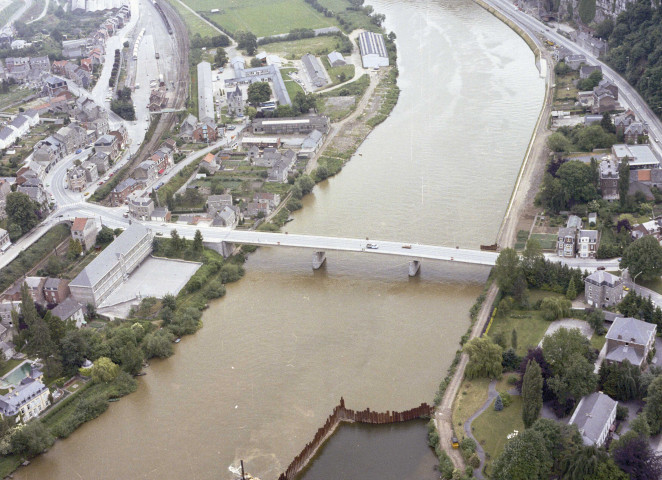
(635, 49)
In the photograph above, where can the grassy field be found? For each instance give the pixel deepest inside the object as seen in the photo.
(492, 427)
(298, 48)
(353, 18)
(529, 324)
(336, 72)
(547, 240)
(262, 17)
(473, 393)
(655, 285)
(292, 88)
(193, 23)
(15, 94)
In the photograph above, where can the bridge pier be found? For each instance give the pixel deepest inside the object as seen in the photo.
(318, 259)
(227, 249)
(414, 267)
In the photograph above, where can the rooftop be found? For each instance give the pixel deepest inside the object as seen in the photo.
(592, 414)
(602, 277)
(631, 330)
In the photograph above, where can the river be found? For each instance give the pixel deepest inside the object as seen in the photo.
(277, 353)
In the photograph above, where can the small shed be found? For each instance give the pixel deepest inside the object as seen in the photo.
(336, 59)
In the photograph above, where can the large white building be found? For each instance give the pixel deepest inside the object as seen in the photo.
(205, 92)
(113, 265)
(373, 50)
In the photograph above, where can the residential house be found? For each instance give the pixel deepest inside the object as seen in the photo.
(146, 171)
(566, 242)
(227, 217)
(70, 310)
(575, 61)
(594, 416)
(602, 289)
(55, 86)
(91, 173)
(586, 70)
(630, 339)
(255, 209)
(120, 193)
(587, 243)
(100, 278)
(593, 218)
(141, 207)
(5, 189)
(281, 170)
(108, 144)
(72, 137)
(216, 203)
(604, 102)
(161, 159)
(208, 164)
(272, 199)
(85, 231)
(48, 152)
(634, 132)
(205, 131)
(26, 401)
(160, 214)
(623, 120)
(609, 177)
(187, 127)
(101, 160)
(56, 290)
(121, 135)
(5, 242)
(76, 179)
(36, 193)
(74, 48)
(36, 287)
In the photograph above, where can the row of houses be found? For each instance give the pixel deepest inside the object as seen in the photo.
(194, 130)
(19, 126)
(80, 74)
(25, 69)
(574, 241)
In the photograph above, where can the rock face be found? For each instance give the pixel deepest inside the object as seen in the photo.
(584, 11)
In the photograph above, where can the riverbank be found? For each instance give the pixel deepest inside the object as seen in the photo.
(521, 200)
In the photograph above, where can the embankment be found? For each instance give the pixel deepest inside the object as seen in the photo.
(343, 414)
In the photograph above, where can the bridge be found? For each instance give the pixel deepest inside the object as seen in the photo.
(224, 241)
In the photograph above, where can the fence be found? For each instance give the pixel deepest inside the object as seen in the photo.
(342, 414)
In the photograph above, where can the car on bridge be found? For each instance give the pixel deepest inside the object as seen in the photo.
(372, 246)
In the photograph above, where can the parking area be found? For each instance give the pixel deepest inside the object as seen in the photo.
(155, 277)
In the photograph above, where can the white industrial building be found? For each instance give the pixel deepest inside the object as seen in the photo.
(205, 92)
(373, 50)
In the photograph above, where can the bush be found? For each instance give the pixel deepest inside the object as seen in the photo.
(468, 447)
(474, 461)
(506, 399)
(621, 412)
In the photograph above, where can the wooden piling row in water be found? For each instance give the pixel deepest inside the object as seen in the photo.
(342, 414)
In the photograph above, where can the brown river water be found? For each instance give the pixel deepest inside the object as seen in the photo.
(277, 353)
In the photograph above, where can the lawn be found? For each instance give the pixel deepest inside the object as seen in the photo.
(655, 285)
(298, 48)
(547, 240)
(529, 324)
(598, 341)
(292, 88)
(262, 17)
(9, 365)
(492, 427)
(336, 72)
(194, 24)
(470, 398)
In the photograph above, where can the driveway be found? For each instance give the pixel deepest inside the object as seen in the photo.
(569, 323)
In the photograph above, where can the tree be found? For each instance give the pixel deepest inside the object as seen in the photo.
(31, 439)
(653, 407)
(74, 348)
(577, 181)
(105, 236)
(636, 458)
(197, 241)
(606, 123)
(562, 345)
(104, 370)
(75, 249)
(640, 425)
(571, 292)
(158, 344)
(576, 381)
(584, 463)
(596, 319)
(643, 257)
(484, 358)
(176, 241)
(247, 41)
(259, 92)
(557, 142)
(221, 57)
(498, 403)
(169, 301)
(506, 270)
(531, 393)
(623, 182)
(553, 308)
(21, 211)
(513, 339)
(524, 457)
(552, 195)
